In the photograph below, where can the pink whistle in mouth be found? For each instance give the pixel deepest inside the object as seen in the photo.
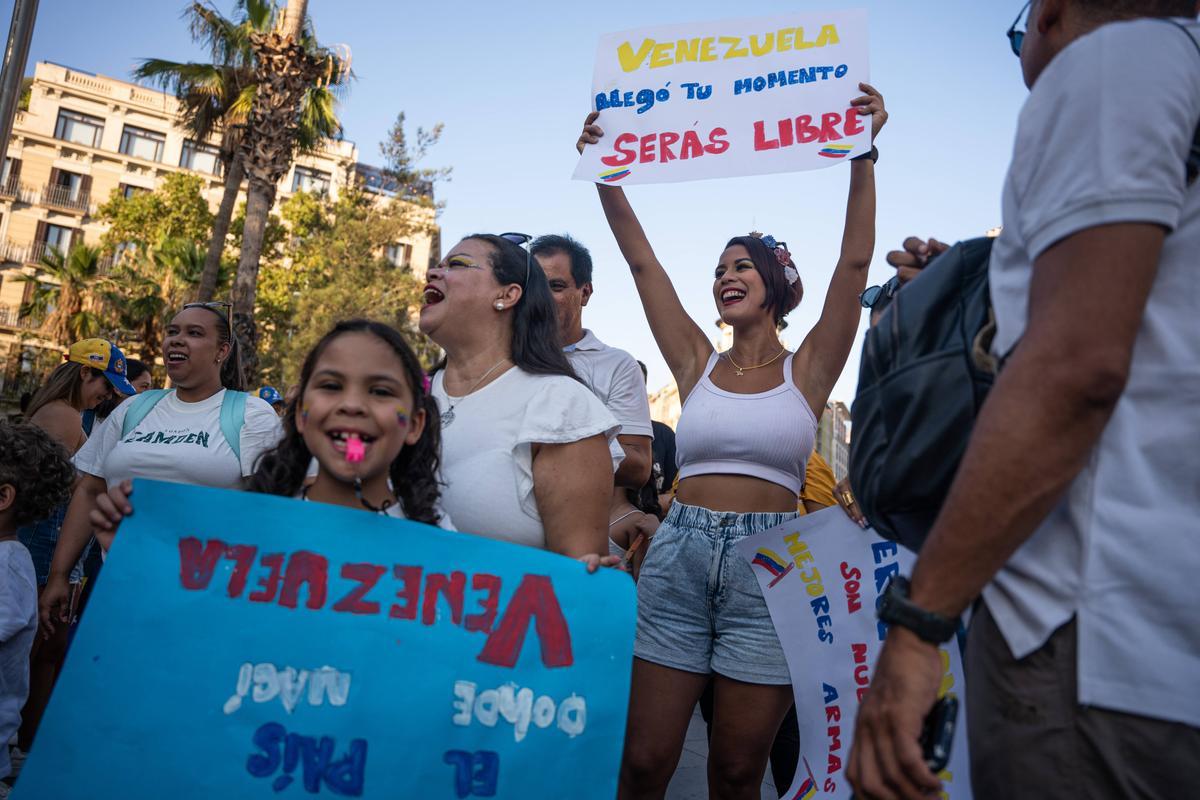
(355, 451)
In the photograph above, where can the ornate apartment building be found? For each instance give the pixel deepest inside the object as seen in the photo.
(833, 437)
(82, 136)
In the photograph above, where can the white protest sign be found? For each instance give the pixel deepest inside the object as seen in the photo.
(822, 577)
(732, 97)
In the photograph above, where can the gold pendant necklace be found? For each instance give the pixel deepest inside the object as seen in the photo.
(741, 370)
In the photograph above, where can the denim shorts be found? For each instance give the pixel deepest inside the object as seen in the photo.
(699, 605)
(41, 538)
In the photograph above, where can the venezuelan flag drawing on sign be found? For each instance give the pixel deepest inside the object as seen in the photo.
(614, 175)
(807, 790)
(836, 150)
(773, 563)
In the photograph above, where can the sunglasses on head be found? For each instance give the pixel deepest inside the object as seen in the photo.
(873, 294)
(222, 308)
(522, 240)
(1015, 37)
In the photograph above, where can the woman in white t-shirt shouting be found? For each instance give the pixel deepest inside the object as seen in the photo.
(525, 446)
(205, 431)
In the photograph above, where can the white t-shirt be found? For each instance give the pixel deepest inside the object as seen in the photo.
(18, 624)
(487, 455)
(615, 377)
(180, 442)
(1103, 138)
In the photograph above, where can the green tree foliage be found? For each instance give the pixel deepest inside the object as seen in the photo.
(65, 295)
(145, 290)
(216, 98)
(175, 210)
(166, 232)
(334, 268)
(402, 161)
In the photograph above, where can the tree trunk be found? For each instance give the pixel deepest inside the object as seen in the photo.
(282, 71)
(259, 198)
(216, 247)
(293, 18)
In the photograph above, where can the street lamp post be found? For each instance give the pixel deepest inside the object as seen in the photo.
(16, 53)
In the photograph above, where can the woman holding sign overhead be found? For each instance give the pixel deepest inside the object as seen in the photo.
(747, 427)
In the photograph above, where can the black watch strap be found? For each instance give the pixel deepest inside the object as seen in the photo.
(896, 609)
(872, 154)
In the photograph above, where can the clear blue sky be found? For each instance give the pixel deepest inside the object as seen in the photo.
(511, 83)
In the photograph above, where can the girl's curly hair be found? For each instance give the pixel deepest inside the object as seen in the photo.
(281, 471)
(37, 467)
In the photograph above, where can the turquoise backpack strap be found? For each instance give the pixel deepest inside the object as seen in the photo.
(233, 418)
(139, 407)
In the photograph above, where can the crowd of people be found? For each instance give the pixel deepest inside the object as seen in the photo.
(533, 431)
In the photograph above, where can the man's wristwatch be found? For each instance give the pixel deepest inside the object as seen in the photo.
(896, 609)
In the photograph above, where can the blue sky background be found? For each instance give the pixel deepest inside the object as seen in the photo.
(511, 83)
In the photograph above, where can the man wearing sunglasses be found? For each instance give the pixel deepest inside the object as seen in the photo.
(613, 375)
(1083, 654)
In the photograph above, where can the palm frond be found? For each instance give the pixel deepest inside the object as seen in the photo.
(318, 119)
(260, 14)
(239, 109)
(210, 29)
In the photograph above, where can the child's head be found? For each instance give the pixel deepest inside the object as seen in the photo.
(35, 475)
(362, 381)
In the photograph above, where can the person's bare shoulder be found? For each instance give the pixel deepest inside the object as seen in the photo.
(62, 422)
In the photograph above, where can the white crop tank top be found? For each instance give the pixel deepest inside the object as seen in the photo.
(767, 435)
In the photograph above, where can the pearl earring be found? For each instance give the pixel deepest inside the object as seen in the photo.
(499, 305)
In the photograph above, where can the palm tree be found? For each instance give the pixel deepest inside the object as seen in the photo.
(217, 98)
(288, 65)
(67, 304)
(157, 281)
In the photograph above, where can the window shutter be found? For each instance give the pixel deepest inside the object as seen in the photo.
(54, 172)
(85, 189)
(14, 171)
(40, 236)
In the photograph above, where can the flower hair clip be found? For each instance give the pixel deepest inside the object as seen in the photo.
(426, 383)
(781, 255)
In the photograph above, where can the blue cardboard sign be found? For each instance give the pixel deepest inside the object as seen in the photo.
(246, 646)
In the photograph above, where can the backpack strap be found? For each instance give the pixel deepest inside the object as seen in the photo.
(139, 407)
(233, 418)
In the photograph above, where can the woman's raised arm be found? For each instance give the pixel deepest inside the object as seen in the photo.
(822, 355)
(683, 345)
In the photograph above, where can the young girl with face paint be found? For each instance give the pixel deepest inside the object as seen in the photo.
(364, 413)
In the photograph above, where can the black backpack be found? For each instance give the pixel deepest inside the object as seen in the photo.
(925, 372)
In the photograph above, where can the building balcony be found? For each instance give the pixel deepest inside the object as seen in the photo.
(11, 252)
(10, 188)
(10, 317)
(32, 254)
(63, 199)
